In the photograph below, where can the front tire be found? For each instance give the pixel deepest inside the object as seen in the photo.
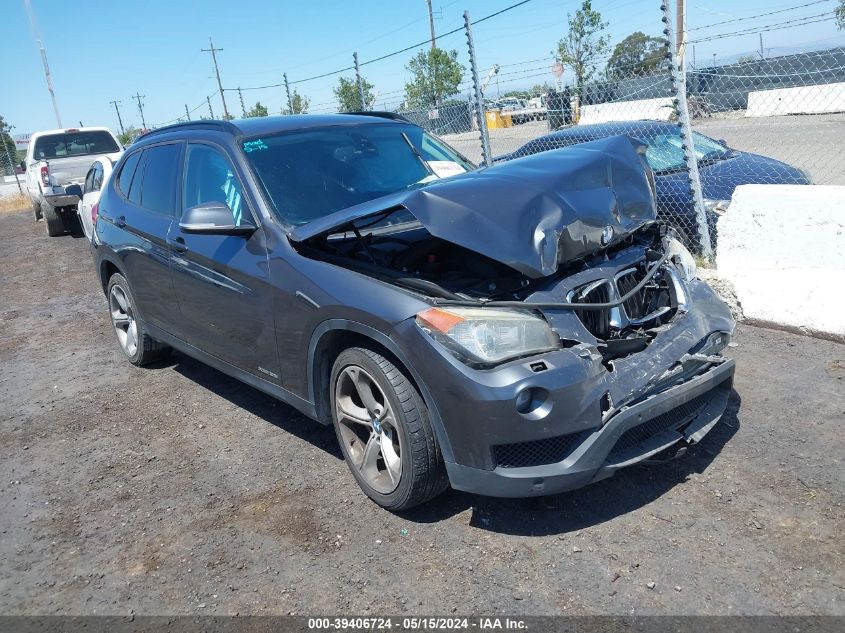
(140, 348)
(54, 221)
(382, 424)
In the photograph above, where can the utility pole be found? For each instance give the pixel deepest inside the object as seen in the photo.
(210, 111)
(358, 80)
(241, 95)
(119, 120)
(762, 55)
(187, 112)
(680, 28)
(138, 97)
(287, 90)
(431, 25)
(213, 52)
(43, 52)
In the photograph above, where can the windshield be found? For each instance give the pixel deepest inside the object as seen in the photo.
(664, 151)
(308, 174)
(75, 144)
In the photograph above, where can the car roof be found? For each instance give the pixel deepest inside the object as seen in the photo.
(257, 126)
(611, 128)
(69, 130)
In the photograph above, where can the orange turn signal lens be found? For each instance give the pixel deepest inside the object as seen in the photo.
(439, 319)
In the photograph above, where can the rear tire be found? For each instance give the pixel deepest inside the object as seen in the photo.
(140, 348)
(54, 221)
(36, 209)
(382, 424)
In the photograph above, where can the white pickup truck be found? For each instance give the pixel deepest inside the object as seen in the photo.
(56, 164)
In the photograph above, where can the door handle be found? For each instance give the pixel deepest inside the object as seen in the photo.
(120, 222)
(177, 244)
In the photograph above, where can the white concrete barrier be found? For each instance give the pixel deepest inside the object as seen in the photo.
(802, 100)
(782, 247)
(656, 109)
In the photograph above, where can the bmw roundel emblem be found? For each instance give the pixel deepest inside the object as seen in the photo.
(606, 235)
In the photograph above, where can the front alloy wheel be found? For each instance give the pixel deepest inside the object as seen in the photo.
(384, 431)
(370, 436)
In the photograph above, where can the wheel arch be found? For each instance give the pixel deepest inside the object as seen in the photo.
(330, 338)
(107, 268)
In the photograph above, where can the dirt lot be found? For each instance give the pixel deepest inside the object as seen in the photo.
(178, 490)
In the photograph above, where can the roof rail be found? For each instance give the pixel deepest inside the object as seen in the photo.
(382, 114)
(221, 126)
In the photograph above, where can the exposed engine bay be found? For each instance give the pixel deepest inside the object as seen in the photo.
(635, 269)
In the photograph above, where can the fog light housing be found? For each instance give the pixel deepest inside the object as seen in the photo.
(533, 403)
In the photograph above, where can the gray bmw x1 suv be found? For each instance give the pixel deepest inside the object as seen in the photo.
(516, 330)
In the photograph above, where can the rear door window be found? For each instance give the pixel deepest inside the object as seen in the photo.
(98, 176)
(161, 174)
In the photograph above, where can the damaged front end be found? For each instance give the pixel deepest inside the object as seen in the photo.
(560, 302)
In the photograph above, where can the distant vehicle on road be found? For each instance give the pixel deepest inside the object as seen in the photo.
(96, 178)
(722, 169)
(56, 160)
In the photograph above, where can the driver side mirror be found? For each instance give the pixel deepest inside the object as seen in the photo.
(23, 165)
(722, 142)
(213, 218)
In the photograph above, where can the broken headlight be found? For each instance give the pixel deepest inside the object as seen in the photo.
(488, 336)
(681, 258)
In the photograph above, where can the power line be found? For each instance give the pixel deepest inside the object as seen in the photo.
(388, 55)
(803, 21)
(759, 15)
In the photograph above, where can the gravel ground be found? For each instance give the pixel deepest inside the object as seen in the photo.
(178, 490)
(814, 143)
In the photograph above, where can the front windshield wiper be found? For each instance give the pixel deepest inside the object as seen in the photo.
(419, 156)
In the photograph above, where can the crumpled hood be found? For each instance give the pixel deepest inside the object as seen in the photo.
(533, 213)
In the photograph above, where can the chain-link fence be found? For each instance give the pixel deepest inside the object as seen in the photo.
(789, 108)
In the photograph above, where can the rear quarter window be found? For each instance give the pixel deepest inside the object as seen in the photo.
(127, 172)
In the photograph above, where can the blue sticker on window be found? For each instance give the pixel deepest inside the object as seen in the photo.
(253, 146)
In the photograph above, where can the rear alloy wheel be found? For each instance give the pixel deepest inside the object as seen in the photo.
(384, 432)
(140, 348)
(54, 221)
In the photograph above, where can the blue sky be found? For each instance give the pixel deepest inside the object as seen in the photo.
(103, 51)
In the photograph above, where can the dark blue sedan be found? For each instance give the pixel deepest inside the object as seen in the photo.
(721, 168)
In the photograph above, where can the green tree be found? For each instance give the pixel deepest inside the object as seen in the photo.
(299, 104)
(348, 97)
(436, 75)
(539, 89)
(840, 15)
(257, 110)
(745, 59)
(8, 152)
(128, 136)
(583, 44)
(636, 54)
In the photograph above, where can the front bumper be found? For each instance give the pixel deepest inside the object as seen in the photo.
(685, 412)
